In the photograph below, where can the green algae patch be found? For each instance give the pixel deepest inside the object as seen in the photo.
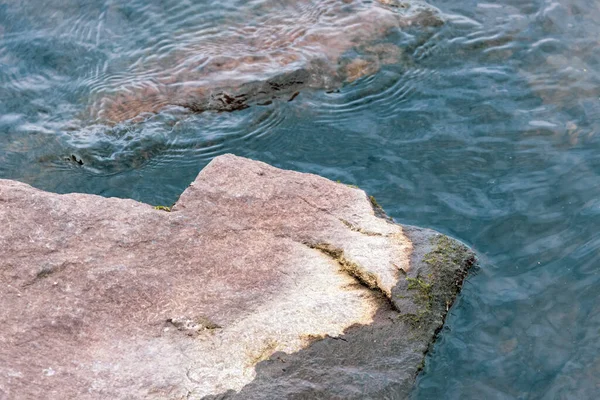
(374, 203)
(378, 210)
(163, 208)
(430, 288)
(450, 262)
(421, 293)
(423, 290)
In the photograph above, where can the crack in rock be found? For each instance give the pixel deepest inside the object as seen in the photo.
(362, 276)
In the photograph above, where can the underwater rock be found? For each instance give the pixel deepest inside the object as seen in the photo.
(257, 283)
(319, 44)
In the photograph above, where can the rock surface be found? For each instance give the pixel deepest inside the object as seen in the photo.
(260, 283)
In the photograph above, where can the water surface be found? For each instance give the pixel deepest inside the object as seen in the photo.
(485, 128)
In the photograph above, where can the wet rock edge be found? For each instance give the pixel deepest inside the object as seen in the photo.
(383, 359)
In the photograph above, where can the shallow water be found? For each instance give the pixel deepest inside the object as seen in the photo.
(485, 128)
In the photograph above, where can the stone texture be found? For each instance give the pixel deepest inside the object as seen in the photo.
(260, 283)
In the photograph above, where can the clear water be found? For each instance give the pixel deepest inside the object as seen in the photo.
(486, 129)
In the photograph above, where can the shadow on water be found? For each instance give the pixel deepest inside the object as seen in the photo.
(485, 127)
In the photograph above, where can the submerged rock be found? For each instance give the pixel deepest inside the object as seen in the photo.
(277, 50)
(257, 283)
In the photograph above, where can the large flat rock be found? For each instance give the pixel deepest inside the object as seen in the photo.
(260, 283)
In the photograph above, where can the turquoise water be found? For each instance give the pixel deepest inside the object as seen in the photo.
(485, 128)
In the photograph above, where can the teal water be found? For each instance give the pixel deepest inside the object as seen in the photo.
(485, 129)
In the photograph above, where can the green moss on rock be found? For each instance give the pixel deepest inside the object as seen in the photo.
(450, 261)
(434, 284)
(424, 292)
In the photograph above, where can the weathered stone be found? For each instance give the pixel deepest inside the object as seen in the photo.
(259, 283)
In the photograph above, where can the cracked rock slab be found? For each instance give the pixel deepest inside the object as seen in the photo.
(259, 283)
